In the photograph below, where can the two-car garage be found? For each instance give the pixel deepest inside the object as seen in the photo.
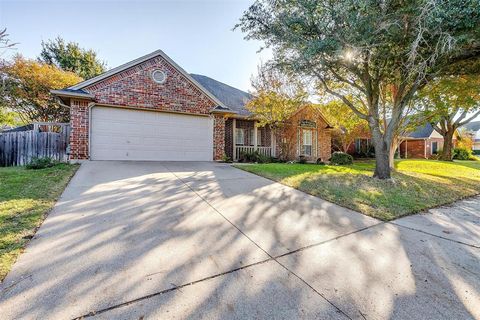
(132, 134)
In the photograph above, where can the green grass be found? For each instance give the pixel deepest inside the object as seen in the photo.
(26, 196)
(417, 184)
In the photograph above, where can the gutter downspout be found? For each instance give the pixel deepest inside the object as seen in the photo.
(90, 106)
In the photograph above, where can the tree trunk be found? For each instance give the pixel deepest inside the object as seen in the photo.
(382, 151)
(382, 161)
(446, 154)
(393, 149)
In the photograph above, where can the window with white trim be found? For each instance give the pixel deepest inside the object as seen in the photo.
(239, 136)
(307, 140)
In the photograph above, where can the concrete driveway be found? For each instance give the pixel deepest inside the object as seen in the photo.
(146, 240)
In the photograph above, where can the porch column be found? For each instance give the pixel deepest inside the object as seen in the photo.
(255, 133)
(234, 127)
(425, 148)
(272, 143)
(406, 149)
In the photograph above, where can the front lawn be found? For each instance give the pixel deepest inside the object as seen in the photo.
(26, 196)
(416, 186)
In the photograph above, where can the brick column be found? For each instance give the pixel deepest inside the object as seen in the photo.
(325, 144)
(79, 118)
(218, 137)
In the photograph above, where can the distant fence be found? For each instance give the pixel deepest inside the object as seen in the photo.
(46, 140)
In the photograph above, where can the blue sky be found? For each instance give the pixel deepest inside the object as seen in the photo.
(196, 34)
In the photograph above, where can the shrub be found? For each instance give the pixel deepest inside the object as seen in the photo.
(226, 158)
(41, 163)
(302, 159)
(462, 154)
(320, 162)
(341, 158)
(254, 157)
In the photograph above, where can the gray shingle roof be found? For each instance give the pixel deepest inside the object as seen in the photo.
(233, 98)
(472, 126)
(422, 131)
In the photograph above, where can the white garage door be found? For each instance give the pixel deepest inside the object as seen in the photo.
(123, 134)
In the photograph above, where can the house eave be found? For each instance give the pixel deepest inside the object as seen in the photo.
(68, 94)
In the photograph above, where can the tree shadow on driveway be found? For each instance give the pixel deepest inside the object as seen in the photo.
(203, 240)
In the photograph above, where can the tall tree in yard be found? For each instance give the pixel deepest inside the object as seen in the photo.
(69, 56)
(26, 89)
(450, 102)
(368, 45)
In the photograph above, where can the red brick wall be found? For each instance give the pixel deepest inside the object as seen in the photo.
(289, 137)
(229, 138)
(218, 137)
(79, 115)
(134, 87)
(415, 149)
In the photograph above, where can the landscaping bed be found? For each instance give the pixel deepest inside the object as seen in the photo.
(26, 197)
(417, 184)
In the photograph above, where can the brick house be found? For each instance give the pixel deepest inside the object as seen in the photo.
(423, 142)
(151, 109)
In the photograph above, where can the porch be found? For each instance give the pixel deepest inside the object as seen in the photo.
(245, 136)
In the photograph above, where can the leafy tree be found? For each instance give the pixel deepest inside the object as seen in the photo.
(348, 126)
(465, 139)
(70, 57)
(277, 97)
(9, 118)
(450, 102)
(26, 89)
(5, 43)
(368, 46)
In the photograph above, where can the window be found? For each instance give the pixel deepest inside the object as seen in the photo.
(307, 142)
(239, 136)
(259, 137)
(159, 76)
(363, 146)
(434, 147)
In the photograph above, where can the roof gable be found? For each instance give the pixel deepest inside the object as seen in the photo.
(423, 131)
(159, 53)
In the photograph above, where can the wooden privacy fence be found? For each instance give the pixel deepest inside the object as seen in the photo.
(18, 148)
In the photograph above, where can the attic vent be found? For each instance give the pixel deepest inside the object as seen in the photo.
(159, 76)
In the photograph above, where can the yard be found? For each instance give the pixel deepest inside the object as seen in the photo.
(416, 186)
(26, 197)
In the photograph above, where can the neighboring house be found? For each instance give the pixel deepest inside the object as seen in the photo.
(362, 147)
(151, 109)
(474, 129)
(423, 142)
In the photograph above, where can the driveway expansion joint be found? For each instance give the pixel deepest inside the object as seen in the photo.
(127, 303)
(258, 246)
(436, 235)
(271, 258)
